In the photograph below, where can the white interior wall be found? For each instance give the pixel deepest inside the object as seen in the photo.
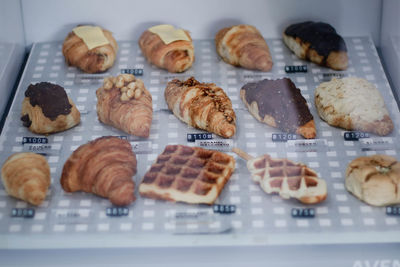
(46, 20)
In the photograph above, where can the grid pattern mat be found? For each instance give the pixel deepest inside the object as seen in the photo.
(64, 214)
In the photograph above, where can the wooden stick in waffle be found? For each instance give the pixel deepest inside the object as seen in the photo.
(201, 105)
(187, 174)
(288, 178)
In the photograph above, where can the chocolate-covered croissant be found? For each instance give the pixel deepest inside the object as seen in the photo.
(104, 167)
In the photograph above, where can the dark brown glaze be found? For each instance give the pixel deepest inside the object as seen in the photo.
(321, 36)
(26, 120)
(281, 100)
(51, 98)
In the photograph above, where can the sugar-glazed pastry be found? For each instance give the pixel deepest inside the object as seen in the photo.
(167, 47)
(26, 176)
(90, 48)
(104, 167)
(124, 102)
(47, 109)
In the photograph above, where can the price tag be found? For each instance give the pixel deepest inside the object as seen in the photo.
(306, 145)
(303, 213)
(136, 72)
(393, 211)
(117, 211)
(72, 216)
(221, 145)
(34, 140)
(224, 209)
(354, 136)
(39, 145)
(293, 69)
(283, 137)
(23, 213)
(96, 78)
(377, 144)
(192, 137)
(141, 146)
(328, 76)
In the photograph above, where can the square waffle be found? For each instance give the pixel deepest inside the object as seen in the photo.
(187, 174)
(288, 178)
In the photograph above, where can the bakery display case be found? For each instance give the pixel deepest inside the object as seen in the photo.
(205, 118)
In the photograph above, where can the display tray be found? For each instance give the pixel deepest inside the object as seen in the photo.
(67, 220)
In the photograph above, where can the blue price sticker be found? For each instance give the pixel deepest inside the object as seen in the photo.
(303, 213)
(354, 136)
(293, 69)
(393, 210)
(191, 137)
(136, 72)
(283, 137)
(117, 211)
(23, 213)
(224, 209)
(34, 140)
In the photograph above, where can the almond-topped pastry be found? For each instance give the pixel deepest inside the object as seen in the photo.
(187, 174)
(104, 167)
(48, 109)
(201, 105)
(279, 103)
(288, 178)
(124, 102)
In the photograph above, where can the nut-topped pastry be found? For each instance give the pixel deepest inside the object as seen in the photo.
(124, 102)
(279, 103)
(47, 109)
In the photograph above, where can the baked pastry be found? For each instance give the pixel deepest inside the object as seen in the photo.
(187, 174)
(104, 167)
(374, 179)
(243, 45)
(47, 109)
(317, 42)
(279, 104)
(90, 48)
(124, 102)
(168, 48)
(288, 178)
(201, 105)
(354, 104)
(26, 176)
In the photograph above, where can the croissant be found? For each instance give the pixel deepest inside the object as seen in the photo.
(47, 109)
(104, 167)
(243, 45)
(94, 59)
(26, 176)
(176, 56)
(124, 102)
(201, 105)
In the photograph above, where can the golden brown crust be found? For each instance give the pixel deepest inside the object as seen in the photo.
(201, 105)
(104, 167)
(26, 176)
(124, 103)
(243, 45)
(374, 179)
(98, 59)
(177, 56)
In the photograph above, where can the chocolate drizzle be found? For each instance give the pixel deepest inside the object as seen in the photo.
(321, 36)
(281, 100)
(51, 98)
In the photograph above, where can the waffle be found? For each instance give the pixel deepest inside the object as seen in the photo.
(187, 174)
(288, 178)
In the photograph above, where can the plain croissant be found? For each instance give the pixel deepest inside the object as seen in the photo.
(104, 167)
(97, 59)
(124, 102)
(26, 176)
(201, 105)
(243, 45)
(177, 56)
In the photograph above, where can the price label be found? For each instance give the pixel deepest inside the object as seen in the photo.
(72, 216)
(224, 209)
(293, 69)
(307, 145)
(23, 213)
(329, 76)
(141, 146)
(117, 211)
(192, 137)
(34, 140)
(354, 136)
(283, 137)
(303, 213)
(136, 72)
(377, 144)
(221, 145)
(96, 78)
(393, 211)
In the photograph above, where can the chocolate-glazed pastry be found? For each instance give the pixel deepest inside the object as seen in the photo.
(48, 109)
(317, 42)
(279, 104)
